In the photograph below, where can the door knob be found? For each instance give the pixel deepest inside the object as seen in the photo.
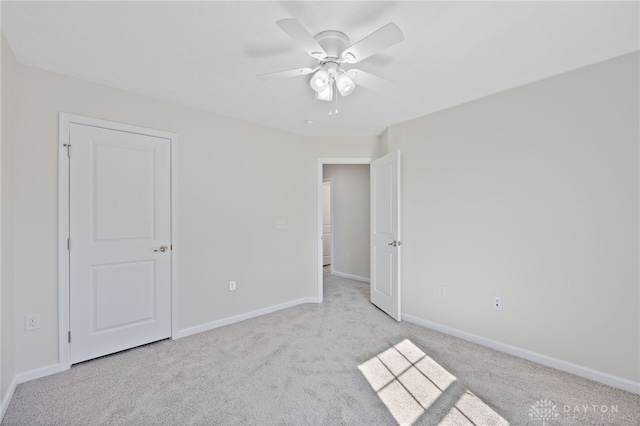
(163, 248)
(395, 243)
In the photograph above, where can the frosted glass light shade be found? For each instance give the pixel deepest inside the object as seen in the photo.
(345, 84)
(320, 81)
(326, 94)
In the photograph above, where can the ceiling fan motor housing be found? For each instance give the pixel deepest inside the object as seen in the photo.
(333, 42)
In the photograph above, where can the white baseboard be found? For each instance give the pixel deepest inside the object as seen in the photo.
(578, 370)
(231, 320)
(7, 398)
(25, 377)
(39, 372)
(351, 277)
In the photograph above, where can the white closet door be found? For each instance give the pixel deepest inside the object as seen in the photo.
(120, 240)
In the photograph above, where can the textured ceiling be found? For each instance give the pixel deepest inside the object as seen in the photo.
(206, 54)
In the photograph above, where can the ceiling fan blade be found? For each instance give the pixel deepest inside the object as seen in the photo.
(370, 81)
(300, 35)
(375, 42)
(285, 74)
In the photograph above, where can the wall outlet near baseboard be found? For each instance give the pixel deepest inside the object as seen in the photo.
(442, 291)
(497, 303)
(232, 286)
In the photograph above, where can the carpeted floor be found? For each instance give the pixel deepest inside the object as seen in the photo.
(327, 364)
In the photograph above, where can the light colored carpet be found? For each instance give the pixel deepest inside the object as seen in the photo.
(326, 364)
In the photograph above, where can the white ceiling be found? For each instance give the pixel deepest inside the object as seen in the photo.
(206, 54)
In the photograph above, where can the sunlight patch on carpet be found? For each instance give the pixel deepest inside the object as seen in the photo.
(470, 410)
(408, 382)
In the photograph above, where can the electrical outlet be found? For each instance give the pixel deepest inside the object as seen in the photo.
(32, 321)
(497, 303)
(442, 291)
(232, 286)
(280, 224)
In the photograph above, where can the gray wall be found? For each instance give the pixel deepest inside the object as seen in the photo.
(350, 193)
(235, 180)
(531, 195)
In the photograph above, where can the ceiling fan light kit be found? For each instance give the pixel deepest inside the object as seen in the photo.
(331, 49)
(320, 80)
(326, 94)
(345, 84)
(329, 75)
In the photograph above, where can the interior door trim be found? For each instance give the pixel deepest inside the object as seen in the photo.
(65, 121)
(330, 181)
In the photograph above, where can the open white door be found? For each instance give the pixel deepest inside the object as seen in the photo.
(120, 240)
(385, 234)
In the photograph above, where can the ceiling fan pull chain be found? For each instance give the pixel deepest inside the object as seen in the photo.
(336, 90)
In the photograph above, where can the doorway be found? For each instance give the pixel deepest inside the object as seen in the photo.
(385, 268)
(343, 253)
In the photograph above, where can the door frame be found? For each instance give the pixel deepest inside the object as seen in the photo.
(321, 163)
(330, 180)
(65, 121)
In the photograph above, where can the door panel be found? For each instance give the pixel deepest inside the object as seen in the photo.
(130, 287)
(385, 234)
(120, 214)
(128, 212)
(383, 261)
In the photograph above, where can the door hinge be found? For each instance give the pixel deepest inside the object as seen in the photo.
(69, 244)
(68, 149)
(69, 336)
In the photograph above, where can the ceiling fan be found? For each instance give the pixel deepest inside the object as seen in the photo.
(332, 49)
